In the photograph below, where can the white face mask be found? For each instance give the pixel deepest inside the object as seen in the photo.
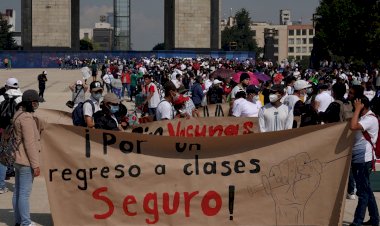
(255, 99)
(273, 98)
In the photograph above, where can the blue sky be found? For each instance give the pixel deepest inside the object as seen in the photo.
(148, 15)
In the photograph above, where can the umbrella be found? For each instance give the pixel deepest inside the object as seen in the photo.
(223, 73)
(253, 79)
(262, 77)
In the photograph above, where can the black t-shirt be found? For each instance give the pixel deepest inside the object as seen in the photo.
(215, 95)
(42, 79)
(2, 91)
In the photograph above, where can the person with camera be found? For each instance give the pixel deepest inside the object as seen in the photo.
(78, 90)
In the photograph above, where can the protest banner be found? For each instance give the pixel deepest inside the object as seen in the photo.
(199, 127)
(54, 116)
(295, 177)
(194, 127)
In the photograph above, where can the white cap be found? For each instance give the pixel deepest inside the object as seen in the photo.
(79, 82)
(301, 84)
(12, 82)
(216, 81)
(44, 72)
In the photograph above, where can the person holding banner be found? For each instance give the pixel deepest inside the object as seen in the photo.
(243, 107)
(27, 159)
(275, 116)
(165, 109)
(113, 114)
(364, 122)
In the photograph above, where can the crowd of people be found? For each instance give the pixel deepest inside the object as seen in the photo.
(282, 97)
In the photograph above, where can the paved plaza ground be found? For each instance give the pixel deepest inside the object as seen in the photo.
(56, 95)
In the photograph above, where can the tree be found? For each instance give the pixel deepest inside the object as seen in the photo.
(86, 45)
(159, 46)
(240, 33)
(7, 41)
(349, 29)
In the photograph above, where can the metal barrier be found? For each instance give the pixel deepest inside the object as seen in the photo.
(39, 59)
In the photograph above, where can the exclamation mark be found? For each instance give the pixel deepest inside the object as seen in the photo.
(88, 145)
(231, 201)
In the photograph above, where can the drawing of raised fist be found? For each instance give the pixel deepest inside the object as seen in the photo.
(291, 184)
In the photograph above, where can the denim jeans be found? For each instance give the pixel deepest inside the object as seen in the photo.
(3, 173)
(351, 184)
(23, 188)
(361, 172)
(126, 86)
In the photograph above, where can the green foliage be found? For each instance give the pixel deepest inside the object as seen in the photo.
(86, 45)
(241, 33)
(7, 41)
(159, 46)
(350, 29)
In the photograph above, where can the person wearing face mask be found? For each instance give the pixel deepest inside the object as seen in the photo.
(242, 107)
(92, 105)
(294, 101)
(275, 116)
(27, 158)
(253, 97)
(112, 114)
(78, 92)
(165, 109)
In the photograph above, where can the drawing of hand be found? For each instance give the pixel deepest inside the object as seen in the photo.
(291, 184)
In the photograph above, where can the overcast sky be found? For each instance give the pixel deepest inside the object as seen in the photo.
(148, 15)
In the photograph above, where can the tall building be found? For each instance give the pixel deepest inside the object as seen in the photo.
(192, 24)
(300, 40)
(10, 16)
(286, 40)
(50, 24)
(122, 25)
(103, 36)
(285, 17)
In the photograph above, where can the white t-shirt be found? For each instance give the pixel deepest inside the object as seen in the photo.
(291, 100)
(370, 94)
(87, 108)
(86, 72)
(244, 108)
(324, 99)
(275, 119)
(235, 90)
(155, 100)
(13, 93)
(362, 150)
(165, 110)
(177, 83)
(107, 78)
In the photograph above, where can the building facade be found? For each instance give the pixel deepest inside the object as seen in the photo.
(192, 24)
(300, 41)
(289, 41)
(50, 24)
(103, 36)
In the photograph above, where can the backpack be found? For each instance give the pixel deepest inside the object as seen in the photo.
(8, 144)
(7, 110)
(345, 112)
(375, 146)
(78, 114)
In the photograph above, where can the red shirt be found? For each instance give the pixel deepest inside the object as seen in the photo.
(126, 78)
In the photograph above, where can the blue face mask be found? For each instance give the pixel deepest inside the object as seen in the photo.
(114, 109)
(96, 96)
